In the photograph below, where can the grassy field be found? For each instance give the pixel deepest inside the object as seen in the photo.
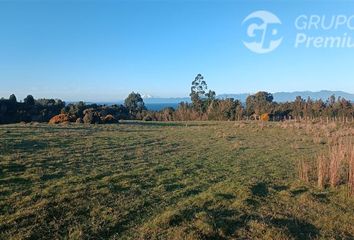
(195, 180)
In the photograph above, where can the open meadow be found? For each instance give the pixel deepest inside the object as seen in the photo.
(173, 180)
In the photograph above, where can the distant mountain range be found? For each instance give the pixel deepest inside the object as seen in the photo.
(324, 95)
(155, 100)
(278, 97)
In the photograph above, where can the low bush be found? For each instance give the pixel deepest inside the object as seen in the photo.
(61, 118)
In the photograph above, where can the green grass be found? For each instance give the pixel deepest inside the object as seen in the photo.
(195, 180)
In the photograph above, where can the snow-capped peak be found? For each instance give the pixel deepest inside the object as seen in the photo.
(146, 96)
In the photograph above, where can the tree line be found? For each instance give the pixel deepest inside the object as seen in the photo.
(203, 106)
(43, 110)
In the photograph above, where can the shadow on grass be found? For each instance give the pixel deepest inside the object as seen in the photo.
(221, 222)
(298, 229)
(260, 189)
(118, 228)
(32, 145)
(321, 197)
(173, 187)
(115, 188)
(228, 221)
(298, 191)
(16, 181)
(226, 196)
(14, 167)
(280, 188)
(252, 203)
(191, 192)
(46, 177)
(160, 169)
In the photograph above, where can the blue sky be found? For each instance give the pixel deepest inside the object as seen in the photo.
(102, 50)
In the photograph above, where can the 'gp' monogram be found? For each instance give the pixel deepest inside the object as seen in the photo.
(261, 33)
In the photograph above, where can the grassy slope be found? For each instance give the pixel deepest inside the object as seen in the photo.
(168, 181)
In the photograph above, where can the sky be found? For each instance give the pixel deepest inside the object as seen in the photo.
(103, 50)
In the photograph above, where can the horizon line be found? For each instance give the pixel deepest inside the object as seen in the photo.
(177, 97)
